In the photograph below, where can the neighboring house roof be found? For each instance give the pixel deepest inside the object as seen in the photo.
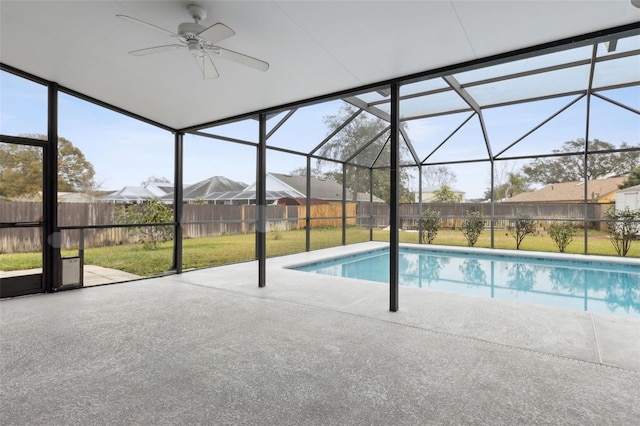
(136, 194)
(324, 189)
(599, 189)
(296, 186)
(130, 194)
(246, 195)
(75, 197)
(158, 189)
(211, 185)
(219, 188)
(635, 188)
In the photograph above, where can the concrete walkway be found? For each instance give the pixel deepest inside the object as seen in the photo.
(209, 347)
(93, 275)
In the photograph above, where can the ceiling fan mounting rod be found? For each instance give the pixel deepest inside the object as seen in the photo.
(197, 12)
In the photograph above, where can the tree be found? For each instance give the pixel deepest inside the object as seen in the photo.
(562, 234)
(520, 227)
(516, 183)
(21, 168)
(570, 168)
(151, 211)
(438, 176)
(429, 224)
(472, 226)
(75, 172)
(446, 195)
(361, 132)
(623, 227)
(302, 171)
(521, 277)
(632, 180)
(472, 272)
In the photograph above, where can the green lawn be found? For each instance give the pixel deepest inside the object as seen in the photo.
(225, 249)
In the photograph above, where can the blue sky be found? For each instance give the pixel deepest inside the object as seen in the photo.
(127, 152)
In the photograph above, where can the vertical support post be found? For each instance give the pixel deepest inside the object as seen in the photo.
(371, 204)
(344, 203)
(420, 230)
(51, 234)
(81, 256)
(307, 218)
(394, 198)
(493, 203)
(178, 168)
(585, 213)
(261, 201)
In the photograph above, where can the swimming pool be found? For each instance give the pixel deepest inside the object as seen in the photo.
(601, 286)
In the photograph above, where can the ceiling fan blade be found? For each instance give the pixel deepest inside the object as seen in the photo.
(240, 58)
(216, 33)
(206, 66)
(157, 49)
(146, 24)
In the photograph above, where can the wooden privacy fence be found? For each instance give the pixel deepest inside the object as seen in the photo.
(452, 214)
(199, 220)
(327, 215)
(206, 220)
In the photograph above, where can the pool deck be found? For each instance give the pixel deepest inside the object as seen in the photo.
(209, 346)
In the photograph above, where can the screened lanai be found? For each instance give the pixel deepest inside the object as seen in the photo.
(368, 115)
(479, 118)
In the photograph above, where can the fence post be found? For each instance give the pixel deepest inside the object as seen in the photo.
(242, 225)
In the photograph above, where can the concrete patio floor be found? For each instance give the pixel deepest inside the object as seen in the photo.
(208, 346)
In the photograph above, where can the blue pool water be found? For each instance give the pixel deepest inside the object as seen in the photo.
(587, 286)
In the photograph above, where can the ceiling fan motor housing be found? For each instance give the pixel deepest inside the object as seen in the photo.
(194, 48)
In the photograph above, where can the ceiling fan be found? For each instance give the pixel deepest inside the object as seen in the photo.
(200, 41)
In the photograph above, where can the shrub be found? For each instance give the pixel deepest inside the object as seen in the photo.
(472, 226)
(622, 227)
(562, 234)
(151, 211)
(429, 224)
(520, 227)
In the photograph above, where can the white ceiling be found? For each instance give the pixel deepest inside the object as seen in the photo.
(313, 47)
